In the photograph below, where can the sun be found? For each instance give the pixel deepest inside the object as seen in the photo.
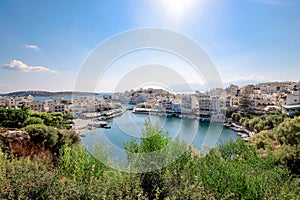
(177, 9)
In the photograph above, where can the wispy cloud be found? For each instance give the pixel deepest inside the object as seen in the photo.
(17, 65)
(33, 46)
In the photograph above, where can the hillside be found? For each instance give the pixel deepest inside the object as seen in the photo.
(46, 93)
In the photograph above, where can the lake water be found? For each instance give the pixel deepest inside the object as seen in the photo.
(129, 126)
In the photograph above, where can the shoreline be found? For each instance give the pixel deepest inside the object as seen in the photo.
(80, 125)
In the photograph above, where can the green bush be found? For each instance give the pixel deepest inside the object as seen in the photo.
(233, 170)
(13, 118)
(33, 120)
(25, 179)
(282, 142)
(42, 134)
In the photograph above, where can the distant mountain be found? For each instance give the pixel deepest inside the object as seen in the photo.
(46, 93)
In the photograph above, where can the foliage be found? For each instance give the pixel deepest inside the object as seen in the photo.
(233, 170)
(56, 119)
(236, 116)
(263, 122)
(289, 132)
(283, 142)
(51, 138)
(117, 106)
(33, 120)
(18, 118)
(288, 135)
(13, 118)
(42, 134)
(25, 179)
(245, 121)
(65, 101)
(156, 155)
(245, 103)
(230, 171)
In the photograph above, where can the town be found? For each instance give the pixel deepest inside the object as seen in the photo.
(206, 106)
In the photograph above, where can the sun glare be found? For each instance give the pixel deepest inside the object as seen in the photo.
(177, 9)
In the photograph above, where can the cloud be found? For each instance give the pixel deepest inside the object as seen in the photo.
(17, 65)
(32, 46)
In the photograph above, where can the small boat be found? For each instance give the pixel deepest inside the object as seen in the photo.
(82, 135)
(98, 124)
(107, 126)
(246, 138)
(239, 133)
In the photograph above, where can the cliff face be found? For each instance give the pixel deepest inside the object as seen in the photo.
(19, 144)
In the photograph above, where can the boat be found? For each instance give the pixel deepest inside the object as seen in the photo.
(141, 111)
(246, 138)
(98, 124)
(227, 125)
(239, 133)
(82, 135)
(107, 126)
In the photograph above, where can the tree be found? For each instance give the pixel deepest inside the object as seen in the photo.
(33, 120)
(288, 132)
(42, 134)
(283, 141)
(13, 118)
(236, 117)
(156, 155)
(245, 103)
(253, 122)
(65, 101)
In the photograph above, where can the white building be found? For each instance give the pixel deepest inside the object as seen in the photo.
(2, 101)
(293, 98)
(292, 104)
(10, 102)
(186, 104)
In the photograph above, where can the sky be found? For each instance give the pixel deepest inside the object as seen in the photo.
(45, 44)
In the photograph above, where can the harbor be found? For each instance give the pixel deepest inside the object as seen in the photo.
(241, 131)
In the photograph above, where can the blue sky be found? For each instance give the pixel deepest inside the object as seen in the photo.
(44, 43)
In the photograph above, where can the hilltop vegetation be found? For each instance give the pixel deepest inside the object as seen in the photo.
(234, 170)
(18, 118)
(37, 93)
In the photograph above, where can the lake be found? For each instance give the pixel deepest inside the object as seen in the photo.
(129, 126)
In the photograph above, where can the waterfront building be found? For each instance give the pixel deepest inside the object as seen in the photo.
(36, 106)
(234, 100)
(2, 102)
(20, 101)
(10, 102)
(186, 104)
(232, 90)
(293, 98)
(292, 104)
(248, 89)
(260, 101)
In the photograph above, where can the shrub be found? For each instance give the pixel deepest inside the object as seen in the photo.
(42, 134)
(33, 120)
(25, 179)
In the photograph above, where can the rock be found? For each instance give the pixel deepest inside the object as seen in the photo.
(19, 133)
